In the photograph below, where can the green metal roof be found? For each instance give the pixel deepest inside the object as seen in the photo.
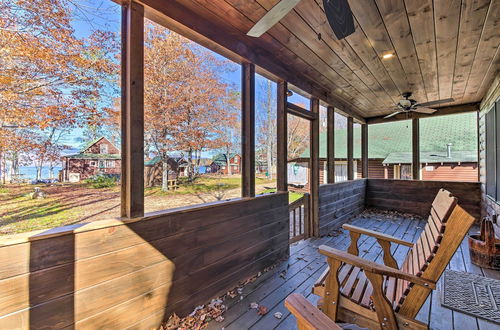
(220, 159)
(395, 137)
(91, 143)
(431, 157)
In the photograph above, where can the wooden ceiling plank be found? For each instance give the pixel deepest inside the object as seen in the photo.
(492, 74)
(302, 31)
(203, 26)
(369, 19)
(485, 54)
(312, 13)
(446, 18)
(253, 11)
(472, 19)
(421, 16)
(358, 41)
(393, 13)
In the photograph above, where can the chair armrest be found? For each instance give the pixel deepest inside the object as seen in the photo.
(307, 315)
(374, 267)
(377, 235)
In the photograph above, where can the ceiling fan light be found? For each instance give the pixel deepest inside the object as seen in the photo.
(405, 103)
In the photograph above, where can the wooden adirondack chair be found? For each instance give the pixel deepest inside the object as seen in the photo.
(385, 296)
(308, 317)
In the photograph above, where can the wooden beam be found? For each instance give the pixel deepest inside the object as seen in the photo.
(248, 129)
(314, 166)
(415, 125)
(330, 163)
(350, 148)
(451, 110)
(195, 22)
(132, 116)
(301, 112)
(364, 150)
(282, 136)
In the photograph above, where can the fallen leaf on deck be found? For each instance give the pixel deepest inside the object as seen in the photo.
(262, 310)
(278, 315)
(254, 305)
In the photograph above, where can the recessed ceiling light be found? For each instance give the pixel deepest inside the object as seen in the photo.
(387, 56)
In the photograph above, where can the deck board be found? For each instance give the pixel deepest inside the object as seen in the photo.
(305, 265)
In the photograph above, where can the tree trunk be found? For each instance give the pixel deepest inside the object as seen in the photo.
(190, 165)
(164, 181)
(228, 162)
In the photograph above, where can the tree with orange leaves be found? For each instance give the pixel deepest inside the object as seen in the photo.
(187, 106)
(49, 79)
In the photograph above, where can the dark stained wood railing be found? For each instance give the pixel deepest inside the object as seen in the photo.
(299, 218)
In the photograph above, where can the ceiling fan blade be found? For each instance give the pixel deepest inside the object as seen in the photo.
(424, 110)
(272, 17)
(393, 114)
(339, 16)
(426, 104)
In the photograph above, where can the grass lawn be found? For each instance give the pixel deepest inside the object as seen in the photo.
(19, 213)
(67, 204)
(206, 184)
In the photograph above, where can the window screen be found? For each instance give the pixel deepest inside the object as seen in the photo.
(491, 154)
(497, 151)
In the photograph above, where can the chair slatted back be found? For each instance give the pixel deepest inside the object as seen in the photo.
(424, 250)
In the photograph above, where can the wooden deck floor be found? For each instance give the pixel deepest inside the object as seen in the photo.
(305, 265)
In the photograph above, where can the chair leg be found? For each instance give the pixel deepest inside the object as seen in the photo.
(383, 308)
(330, 301)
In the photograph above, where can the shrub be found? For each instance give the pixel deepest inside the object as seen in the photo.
(102, 181)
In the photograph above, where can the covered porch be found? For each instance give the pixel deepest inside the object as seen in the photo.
(305, 265)
(136, 271)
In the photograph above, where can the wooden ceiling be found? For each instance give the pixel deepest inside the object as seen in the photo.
(443, 48)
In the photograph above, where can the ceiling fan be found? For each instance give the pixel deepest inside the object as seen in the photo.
(337, 12)
(408, 105)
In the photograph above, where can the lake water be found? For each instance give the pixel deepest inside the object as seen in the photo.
(29, 172)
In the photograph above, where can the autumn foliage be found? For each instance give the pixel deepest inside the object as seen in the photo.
(50, 80)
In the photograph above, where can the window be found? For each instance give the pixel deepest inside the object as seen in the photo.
(92, 163)
(389, 145)
(265, 135)
(102, 164)
(340, 147)
(110, 164)
(448, 148)
(192, 152)
(103, 148)
(492, 152)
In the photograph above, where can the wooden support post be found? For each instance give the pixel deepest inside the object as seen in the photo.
(314, 166)
(364, 150)
(350, 148)
(248, 129)
(132, 114)
(282, 136)
(330, 163)
(415, 148)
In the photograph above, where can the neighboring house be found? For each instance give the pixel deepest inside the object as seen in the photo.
(390, 156)
(97, 157)
(153, 169)
(219, 163)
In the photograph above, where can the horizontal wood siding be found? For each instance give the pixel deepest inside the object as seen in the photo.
(376, 170)
(451, 172)
(338, 202)
(119, 275)
(417, 196)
